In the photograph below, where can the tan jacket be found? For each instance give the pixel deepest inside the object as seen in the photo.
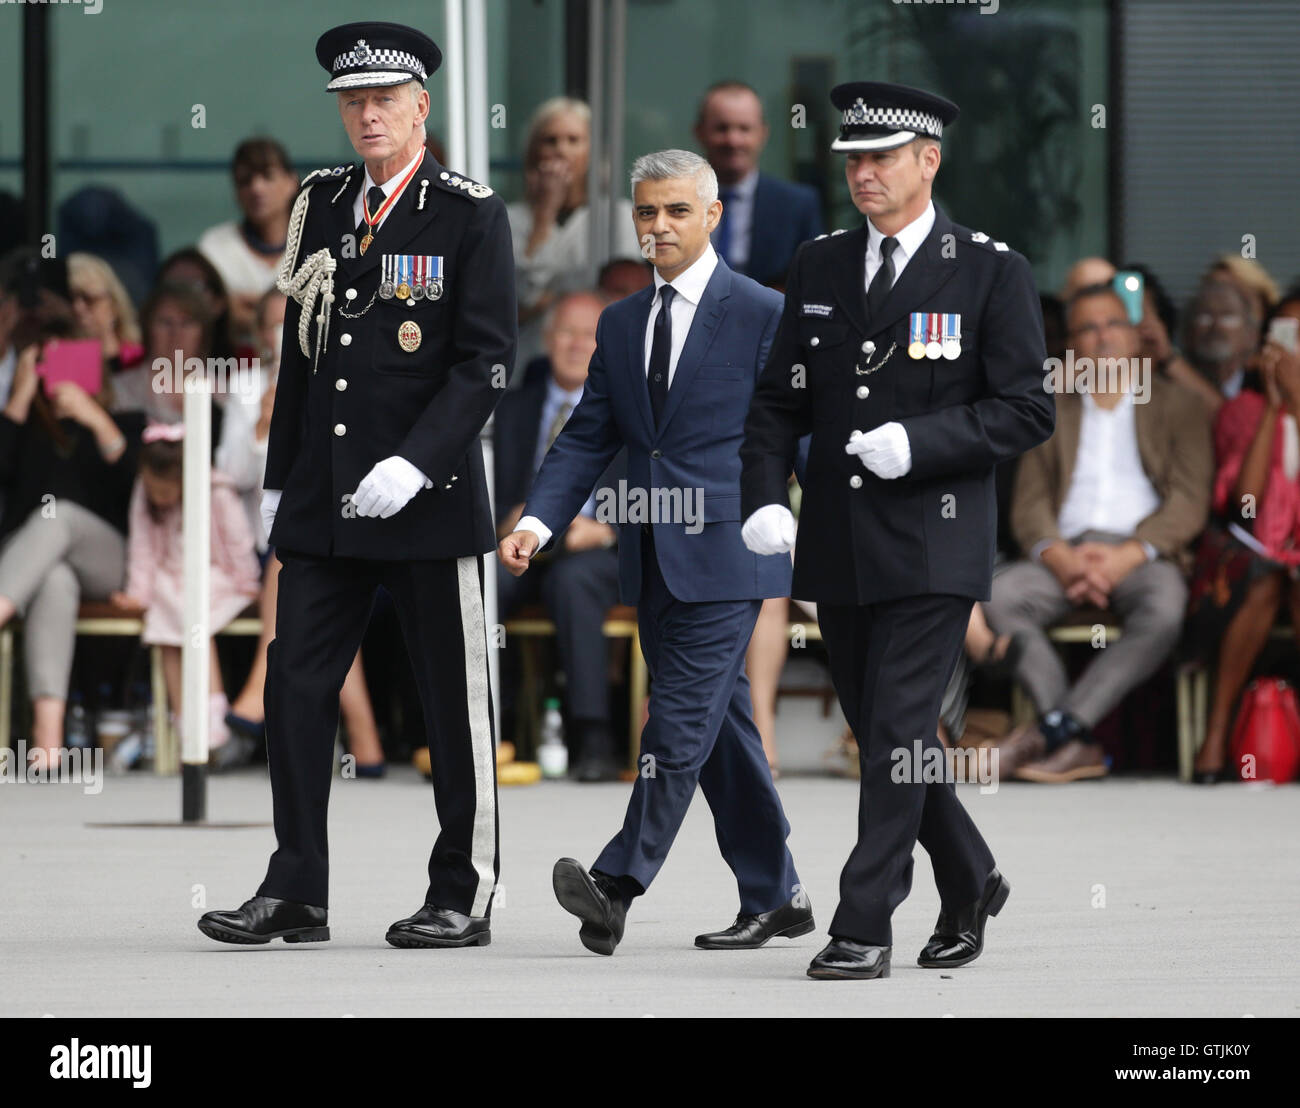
(1174, 443)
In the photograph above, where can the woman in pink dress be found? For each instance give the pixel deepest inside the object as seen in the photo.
(155, 567)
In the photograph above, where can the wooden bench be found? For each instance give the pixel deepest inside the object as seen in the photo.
(531, 622)
(101, 619)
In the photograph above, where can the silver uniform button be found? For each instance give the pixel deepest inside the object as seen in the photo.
(345, 339)
(863, 392)
(855, 481)
(340, 430)
(341, 384)
(444, 175)
(868, 347)
(351, 294)
(814, 341)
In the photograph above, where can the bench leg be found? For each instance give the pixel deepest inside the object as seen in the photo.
(164, 741)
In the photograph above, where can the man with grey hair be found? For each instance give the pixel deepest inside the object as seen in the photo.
(399, 337)
(674, 368)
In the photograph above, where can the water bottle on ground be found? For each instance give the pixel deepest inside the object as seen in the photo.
(552, 754)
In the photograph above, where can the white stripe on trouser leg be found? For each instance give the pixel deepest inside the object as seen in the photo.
(483, 847)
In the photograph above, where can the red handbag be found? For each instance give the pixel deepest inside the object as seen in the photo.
(1266, 739)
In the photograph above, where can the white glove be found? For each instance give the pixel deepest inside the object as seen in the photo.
(388, 487)
(884, 450)
(770, 530)
(270, 505)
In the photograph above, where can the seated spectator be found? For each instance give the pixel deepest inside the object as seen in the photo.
(1085, 273)
(155, 577)
(1222, 334)
(550, 225)
(1249, 276)
(246, 418)
(1156, 329)
(241, 454)
(177, 327)
(104, 311)
(620, 277)
(577, 581)
(1249, 559)
(66, 468)
(190, 267)
(247, 251)
(1105, 510)
(764, 219)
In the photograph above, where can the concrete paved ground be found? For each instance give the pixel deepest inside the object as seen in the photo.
(1130, 897)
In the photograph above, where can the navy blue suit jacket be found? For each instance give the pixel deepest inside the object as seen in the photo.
(695, 447)
(785, 215)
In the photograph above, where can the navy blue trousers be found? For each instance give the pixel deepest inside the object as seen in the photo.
(701, 730)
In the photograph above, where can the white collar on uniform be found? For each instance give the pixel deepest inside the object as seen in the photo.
(692, 281)
(909, 238)
(393, 181)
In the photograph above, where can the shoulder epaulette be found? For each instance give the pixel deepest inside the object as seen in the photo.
(462, 185)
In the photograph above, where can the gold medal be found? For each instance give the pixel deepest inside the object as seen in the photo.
(403, 291)
(916, 350)
(366, 240)
(408, 336)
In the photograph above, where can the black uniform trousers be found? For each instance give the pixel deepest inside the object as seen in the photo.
(890, 663)
(321, 615)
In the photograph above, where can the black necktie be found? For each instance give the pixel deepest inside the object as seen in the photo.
(375, 199)
(884, 278)
(661, 348)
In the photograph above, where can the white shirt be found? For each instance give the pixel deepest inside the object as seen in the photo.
(1109, 489)
(690, 285)
(909, 242)
(388, 186)
(739, 214)
(242, 268)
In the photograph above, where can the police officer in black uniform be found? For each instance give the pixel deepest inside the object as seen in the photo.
(399, 338)
(912, 350)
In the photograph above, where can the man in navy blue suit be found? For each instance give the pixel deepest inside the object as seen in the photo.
(764, 219)
(674, 369)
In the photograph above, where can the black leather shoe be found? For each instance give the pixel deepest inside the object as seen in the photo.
(959, 936)
(751, 932)
(844, 959)
(265, 918)
(434, 926)
(594, 899)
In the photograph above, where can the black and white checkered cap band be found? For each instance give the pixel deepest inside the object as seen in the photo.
(900, 119)
(397, 59)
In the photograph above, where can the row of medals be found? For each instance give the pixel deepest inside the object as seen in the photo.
(950, 348)
(432, 288)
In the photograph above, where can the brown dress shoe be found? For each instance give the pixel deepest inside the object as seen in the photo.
(1022, 746)
(1075, 760)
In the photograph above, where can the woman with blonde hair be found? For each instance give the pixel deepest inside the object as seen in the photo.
(103, 310)
(550, 225)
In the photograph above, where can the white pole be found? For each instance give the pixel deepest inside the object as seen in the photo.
(196, 519)
(475, 106)
(454, 57)
(476, 89)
